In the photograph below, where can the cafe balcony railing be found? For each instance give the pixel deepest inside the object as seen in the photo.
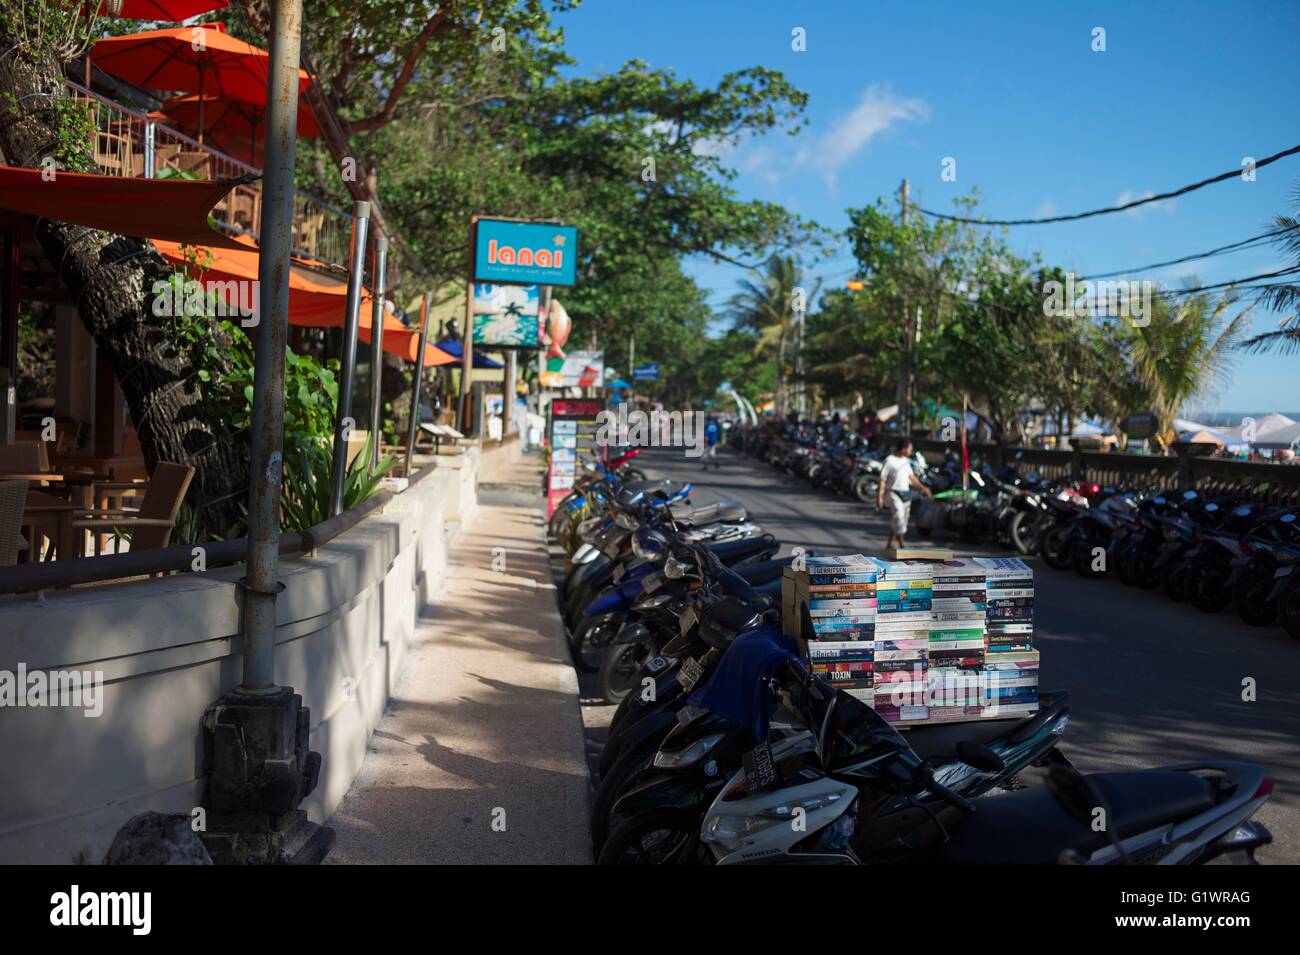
(131, 144)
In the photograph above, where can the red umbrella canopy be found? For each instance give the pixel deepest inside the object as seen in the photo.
(174, 10)
(235, 127)
(201, 59)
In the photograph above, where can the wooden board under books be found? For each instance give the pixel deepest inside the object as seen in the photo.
(919, 553)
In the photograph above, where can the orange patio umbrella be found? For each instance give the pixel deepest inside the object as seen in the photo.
(236, 127)
(171, 10)
(315, 300)
(199, 59)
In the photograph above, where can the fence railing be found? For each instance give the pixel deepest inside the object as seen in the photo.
(130, 144)
(1269, 483)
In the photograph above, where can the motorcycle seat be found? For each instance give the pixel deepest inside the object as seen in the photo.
(731, 552)
(666, 487)
(1033, 827)
(939, 742)
(723, 620)
(765, 571)
(728, 511)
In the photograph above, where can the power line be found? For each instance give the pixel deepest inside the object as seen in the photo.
(1197, 255)
(1109, 209)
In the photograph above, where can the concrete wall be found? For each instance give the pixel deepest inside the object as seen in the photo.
(169, 646)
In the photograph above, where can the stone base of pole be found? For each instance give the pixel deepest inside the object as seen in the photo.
(259, 768)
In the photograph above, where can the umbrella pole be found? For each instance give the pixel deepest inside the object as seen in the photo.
(343, 422)
(201, 98)
(413, 430)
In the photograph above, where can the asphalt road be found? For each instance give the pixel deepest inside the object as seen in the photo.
(1151, 682)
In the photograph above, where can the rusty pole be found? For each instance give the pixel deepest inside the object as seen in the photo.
(276, 232)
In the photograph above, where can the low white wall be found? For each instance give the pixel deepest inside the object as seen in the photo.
(170, 646)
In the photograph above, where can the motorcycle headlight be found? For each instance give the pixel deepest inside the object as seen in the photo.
(689, 756)
(648, 544)
(675, 569)
(731, 831)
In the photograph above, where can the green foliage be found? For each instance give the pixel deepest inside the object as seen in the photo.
(306, 497)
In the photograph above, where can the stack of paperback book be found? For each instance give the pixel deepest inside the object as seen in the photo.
(840, 594)
(920, 640)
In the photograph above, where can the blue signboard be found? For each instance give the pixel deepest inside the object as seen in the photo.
(648, 372)
(525, 253)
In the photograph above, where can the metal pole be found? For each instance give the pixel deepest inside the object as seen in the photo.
(149, 149)
(467, 361)
(905, 359)
(377, 348)
(414, 429)
(276, 233)
(508, 398)
(351, 321)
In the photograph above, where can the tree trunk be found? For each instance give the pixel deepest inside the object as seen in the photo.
(111, 279)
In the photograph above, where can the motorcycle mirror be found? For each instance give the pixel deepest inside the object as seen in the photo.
(980, 757)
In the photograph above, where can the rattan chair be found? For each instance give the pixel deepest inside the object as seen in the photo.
(151, 525)
(13, 497)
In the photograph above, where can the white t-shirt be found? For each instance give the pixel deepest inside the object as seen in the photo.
(896, 473)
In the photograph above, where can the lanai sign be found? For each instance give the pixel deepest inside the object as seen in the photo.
(524, 253)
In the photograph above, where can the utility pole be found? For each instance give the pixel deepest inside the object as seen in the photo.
(905, 359)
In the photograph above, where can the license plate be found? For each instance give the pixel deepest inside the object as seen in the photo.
(689, 675)
(760, 768)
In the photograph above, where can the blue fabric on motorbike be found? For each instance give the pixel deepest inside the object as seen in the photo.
(738, 689)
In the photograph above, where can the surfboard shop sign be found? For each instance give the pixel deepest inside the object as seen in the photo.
(524, 253)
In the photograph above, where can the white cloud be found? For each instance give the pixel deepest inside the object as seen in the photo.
(1046, 210)
(878, 110)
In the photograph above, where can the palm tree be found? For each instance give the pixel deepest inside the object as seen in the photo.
(772, 305)
(1184, 353)
(1284, 296)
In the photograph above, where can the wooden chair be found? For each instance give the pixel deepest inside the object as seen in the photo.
(151, 525)
(13, 497)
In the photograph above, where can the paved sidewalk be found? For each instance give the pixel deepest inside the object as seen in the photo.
(483, 727)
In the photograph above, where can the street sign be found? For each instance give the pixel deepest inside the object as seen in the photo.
(647, 372)
(524, 253)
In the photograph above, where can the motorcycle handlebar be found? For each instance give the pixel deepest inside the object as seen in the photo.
(958, 802)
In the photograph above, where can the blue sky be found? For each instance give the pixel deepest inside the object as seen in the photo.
(1037, 120)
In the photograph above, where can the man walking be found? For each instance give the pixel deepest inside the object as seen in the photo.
(897, 480)
(712, 432)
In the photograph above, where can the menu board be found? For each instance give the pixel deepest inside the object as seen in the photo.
(572, 435)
